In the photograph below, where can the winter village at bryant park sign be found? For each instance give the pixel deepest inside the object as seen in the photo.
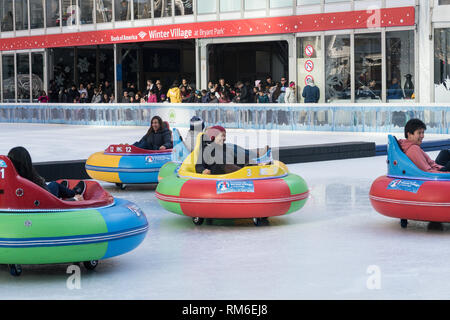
(389, 17)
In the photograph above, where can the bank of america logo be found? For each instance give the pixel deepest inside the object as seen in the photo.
(142, 34)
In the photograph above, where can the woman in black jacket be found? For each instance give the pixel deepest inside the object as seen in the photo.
(158, 137)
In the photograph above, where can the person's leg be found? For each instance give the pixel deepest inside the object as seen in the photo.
(443, 158)
(53, 188)
(65, 192)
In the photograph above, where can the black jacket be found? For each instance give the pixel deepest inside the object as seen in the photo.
(154, 141)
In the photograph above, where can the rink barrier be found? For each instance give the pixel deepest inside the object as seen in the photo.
(359, 117)
(436, 145)
(75, 169)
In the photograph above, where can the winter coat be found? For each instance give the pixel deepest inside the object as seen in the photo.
(154, 140)
(418, 156)
(174, 95)
(290, 96)
(311, 94)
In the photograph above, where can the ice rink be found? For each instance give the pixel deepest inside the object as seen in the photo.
(324, 251)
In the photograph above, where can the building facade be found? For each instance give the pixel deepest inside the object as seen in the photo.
(390, 51)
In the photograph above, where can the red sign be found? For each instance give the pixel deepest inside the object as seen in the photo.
(308, 78)
(309, 65)
(309, 50)
(388, 17)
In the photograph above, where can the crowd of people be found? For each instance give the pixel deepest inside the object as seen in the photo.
(261, 91)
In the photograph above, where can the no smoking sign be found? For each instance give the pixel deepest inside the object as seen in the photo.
(309, 65)
(309, 50)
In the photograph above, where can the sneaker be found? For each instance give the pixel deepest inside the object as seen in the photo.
(80, 188)
(65, 183)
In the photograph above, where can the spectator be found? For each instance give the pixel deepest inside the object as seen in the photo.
(174, 93)
(83, 97)
(90, 91)
(63, 96)
(395, 90)
(125, 98)
(291, 93)
(205, 96)
(53, 92)
(73, 94)
(108, 89)
(105, 98)
(112, 98)
(82, 90)
(43, 98)
(97, 97)
(275, 93)
(160, 96)
(262, 97)
(311, 92)
(244, 96)
(213, 98)
(152, 97)
(224, 98)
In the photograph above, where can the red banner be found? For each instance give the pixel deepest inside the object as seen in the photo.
(389, 17)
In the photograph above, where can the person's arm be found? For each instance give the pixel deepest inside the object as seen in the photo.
(167, 139)
(142, 143)
(422, 160)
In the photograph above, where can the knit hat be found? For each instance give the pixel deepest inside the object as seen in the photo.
(292, 84)
(214, 131)
(196, 122)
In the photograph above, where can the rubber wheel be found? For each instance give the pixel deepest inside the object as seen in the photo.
(121, 186)
(258, 221)
(198, 221)
(404, 223)
(15, 270)
(90, 265)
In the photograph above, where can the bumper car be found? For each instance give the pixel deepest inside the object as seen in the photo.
(408, 193)
(256, 191)
(39, 228)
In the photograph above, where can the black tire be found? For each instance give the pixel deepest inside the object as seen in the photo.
(90, 265)
(198, 221)
(15, 270)
(121, 186)
(404, 223)
(258, 221)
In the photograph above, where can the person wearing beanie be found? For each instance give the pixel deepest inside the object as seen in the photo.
(221, 158)
(291, 93)
(197, 126)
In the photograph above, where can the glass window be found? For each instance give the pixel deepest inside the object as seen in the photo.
(103, 9)
(86, 66)
(337, 68)
(9, 85)
(86, 10)
(37, 65)
(254, 4)
(400, 65)
(6, 11)
(441, 65)
(63, 66)
(52, 11)
(36, 14)
(206, 6)
(304, 2)
(183, 7)
(442, 2)
(23, 77)
(69, 13)
(122, 10)
(163, 8)
(21, 14)
(230, 5)
(142, 9)
(368, 66)
(280, 3)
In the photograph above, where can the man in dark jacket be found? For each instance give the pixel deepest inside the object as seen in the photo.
(311, 93)
(245, 93)
(73, 94)
(158, 137)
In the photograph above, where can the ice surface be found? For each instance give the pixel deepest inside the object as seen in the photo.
(320, 252)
